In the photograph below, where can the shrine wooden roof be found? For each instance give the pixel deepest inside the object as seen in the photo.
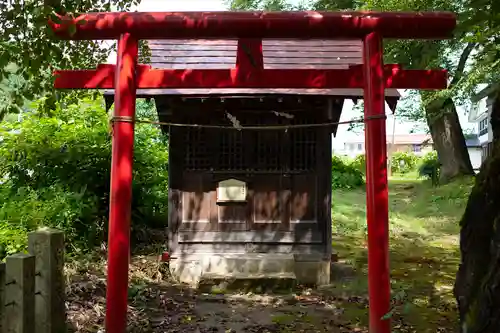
(278, 54)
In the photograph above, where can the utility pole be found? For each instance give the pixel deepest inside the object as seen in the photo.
(392, 142)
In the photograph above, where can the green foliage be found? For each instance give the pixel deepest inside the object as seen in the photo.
(481, 20)
(359, 163)
(25, 208)
(271, 5)
(345, 174)
(471, 57)
(29, 51)
(430, 167)
(337, 5)
(403, 162)
(55, 172)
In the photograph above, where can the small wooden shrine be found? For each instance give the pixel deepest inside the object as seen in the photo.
(239, 195)
(262, 195)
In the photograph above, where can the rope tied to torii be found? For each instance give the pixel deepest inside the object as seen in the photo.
(253, 128)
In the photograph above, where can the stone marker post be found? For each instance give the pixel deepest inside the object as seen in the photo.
(47, 245)
(20, 294)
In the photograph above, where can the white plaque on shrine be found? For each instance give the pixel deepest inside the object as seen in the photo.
(231, 190)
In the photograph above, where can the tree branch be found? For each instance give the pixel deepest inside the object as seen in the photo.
(459, 72)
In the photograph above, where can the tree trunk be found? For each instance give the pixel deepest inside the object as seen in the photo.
(449, 140)
(477, 285)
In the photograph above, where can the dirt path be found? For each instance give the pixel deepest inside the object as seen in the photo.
(159, 305)
(170, 308)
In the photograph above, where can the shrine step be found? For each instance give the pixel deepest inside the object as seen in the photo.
(255, 283)
(242, 276)
(234, 267)
(250, 264)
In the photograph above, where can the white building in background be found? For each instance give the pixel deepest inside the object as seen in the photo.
(418, 144)
(480, 115)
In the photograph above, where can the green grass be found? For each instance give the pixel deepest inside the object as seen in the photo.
(410, 176)
(424, 252)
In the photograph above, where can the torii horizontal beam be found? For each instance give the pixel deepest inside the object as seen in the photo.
(148, 78)
(309, 24)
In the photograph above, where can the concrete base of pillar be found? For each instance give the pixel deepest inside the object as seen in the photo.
(313, 272)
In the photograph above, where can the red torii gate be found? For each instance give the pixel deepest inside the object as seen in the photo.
(127, 76)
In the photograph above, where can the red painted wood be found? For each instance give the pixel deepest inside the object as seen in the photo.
(249, 55)
(165, 256)
(394, 77)
(377, 211)
(121, 186)
(144, 25)
(249, 60)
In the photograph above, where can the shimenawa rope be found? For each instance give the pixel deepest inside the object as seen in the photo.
(238, 128)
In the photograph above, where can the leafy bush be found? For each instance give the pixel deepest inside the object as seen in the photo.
(54, 206)
(430, 167)
(345, 174)
(403, 162)
(359, 163)
(56, 170)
